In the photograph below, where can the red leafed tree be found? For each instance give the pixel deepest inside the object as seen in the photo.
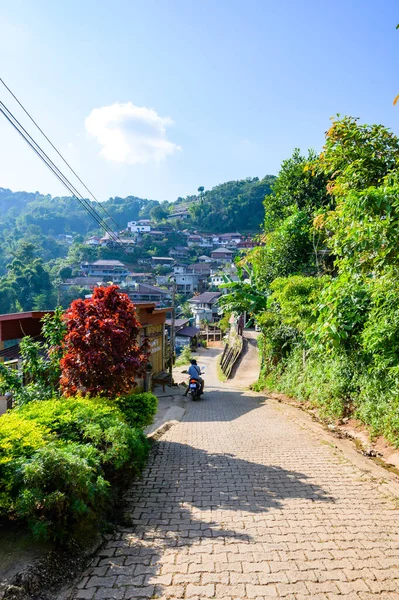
(103, 354)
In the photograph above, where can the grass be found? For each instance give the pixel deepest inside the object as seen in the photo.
(221, 376)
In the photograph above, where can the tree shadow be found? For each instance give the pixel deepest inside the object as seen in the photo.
(181, 501)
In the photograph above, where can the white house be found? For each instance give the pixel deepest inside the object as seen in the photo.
(186, 283)
(139, 226)
(204, 259)
(93, 241)
(204, 307)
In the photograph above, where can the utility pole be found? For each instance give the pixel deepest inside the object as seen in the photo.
(172, 331)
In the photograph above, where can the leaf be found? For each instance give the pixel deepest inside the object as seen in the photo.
(395, 100)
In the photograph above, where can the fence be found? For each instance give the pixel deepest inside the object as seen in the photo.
(231, 353)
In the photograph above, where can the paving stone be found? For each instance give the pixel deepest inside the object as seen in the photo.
(240, 500)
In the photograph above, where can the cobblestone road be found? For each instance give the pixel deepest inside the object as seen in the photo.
(239, 501)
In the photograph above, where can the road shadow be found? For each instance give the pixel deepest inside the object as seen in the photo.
(222, 405)
(180, 503)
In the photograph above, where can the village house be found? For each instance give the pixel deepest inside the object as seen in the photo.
(114, 244)
(87, 283)
(222, 255)
(65, 237)
(93, 241)
(141, 292)
(186, 283)
(204, 307)
(163, 261)
(247, 243)
(204, 259)
(105, 270)
(179, 214)
(178, 252)
(142, 226)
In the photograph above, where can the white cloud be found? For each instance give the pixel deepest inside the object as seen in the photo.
(130, 134)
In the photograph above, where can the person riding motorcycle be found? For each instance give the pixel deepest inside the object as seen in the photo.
(194, 372)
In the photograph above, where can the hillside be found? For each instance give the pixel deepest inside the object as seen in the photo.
(43, 239)
(226, 207)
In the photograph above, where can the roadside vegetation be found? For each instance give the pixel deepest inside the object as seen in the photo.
(323, 285)
(75, 435)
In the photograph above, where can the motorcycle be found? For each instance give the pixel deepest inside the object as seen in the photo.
(194, 388)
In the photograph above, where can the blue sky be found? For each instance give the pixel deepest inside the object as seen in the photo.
(156, 98)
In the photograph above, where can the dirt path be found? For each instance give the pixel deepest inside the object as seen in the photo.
(247, 498)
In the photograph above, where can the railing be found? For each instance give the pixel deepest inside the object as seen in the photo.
(231, 353)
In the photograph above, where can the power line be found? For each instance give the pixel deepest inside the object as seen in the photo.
(60, 176)
(59, 153)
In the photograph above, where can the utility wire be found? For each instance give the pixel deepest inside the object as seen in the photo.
(59, 153)
(12, 119)
(60, 176)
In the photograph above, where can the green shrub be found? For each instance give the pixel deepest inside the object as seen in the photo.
(139, 410)
(57, 458)
(184, 357)
(62, 491)
(92, 420)
(19, 439)
(327, 382)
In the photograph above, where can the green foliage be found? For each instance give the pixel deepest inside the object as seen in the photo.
(62, 490)
(40, 363)
(324, 382)
(355, 156)
(57, 458)
(139, 410)
(295, 298)
(232, 206)
(184, 357)
(342, 312)
(380, 334)
(224, 323)
(19, 438)
(296, 185)
(95, 421)
(328, 267)
(364, 230)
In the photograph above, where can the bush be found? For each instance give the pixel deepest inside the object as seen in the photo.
(139, 410)
(57, 458)
(184, 357)
(93, 420)
(327, 382)
(62, 491)
(19, 439)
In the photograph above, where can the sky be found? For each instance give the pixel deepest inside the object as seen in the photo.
(156, 98)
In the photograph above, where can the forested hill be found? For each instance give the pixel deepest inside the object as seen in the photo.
(235, 205)
(64, 215)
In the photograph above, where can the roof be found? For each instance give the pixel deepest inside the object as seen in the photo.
(107, 263)
(222, 251)
(168, 258)
(17, 325)
(143, 288)
(203, 257)
(188, 332)
(206, 297)
(178, 322)
(227, 235)
(82, 281)
(200, 267)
